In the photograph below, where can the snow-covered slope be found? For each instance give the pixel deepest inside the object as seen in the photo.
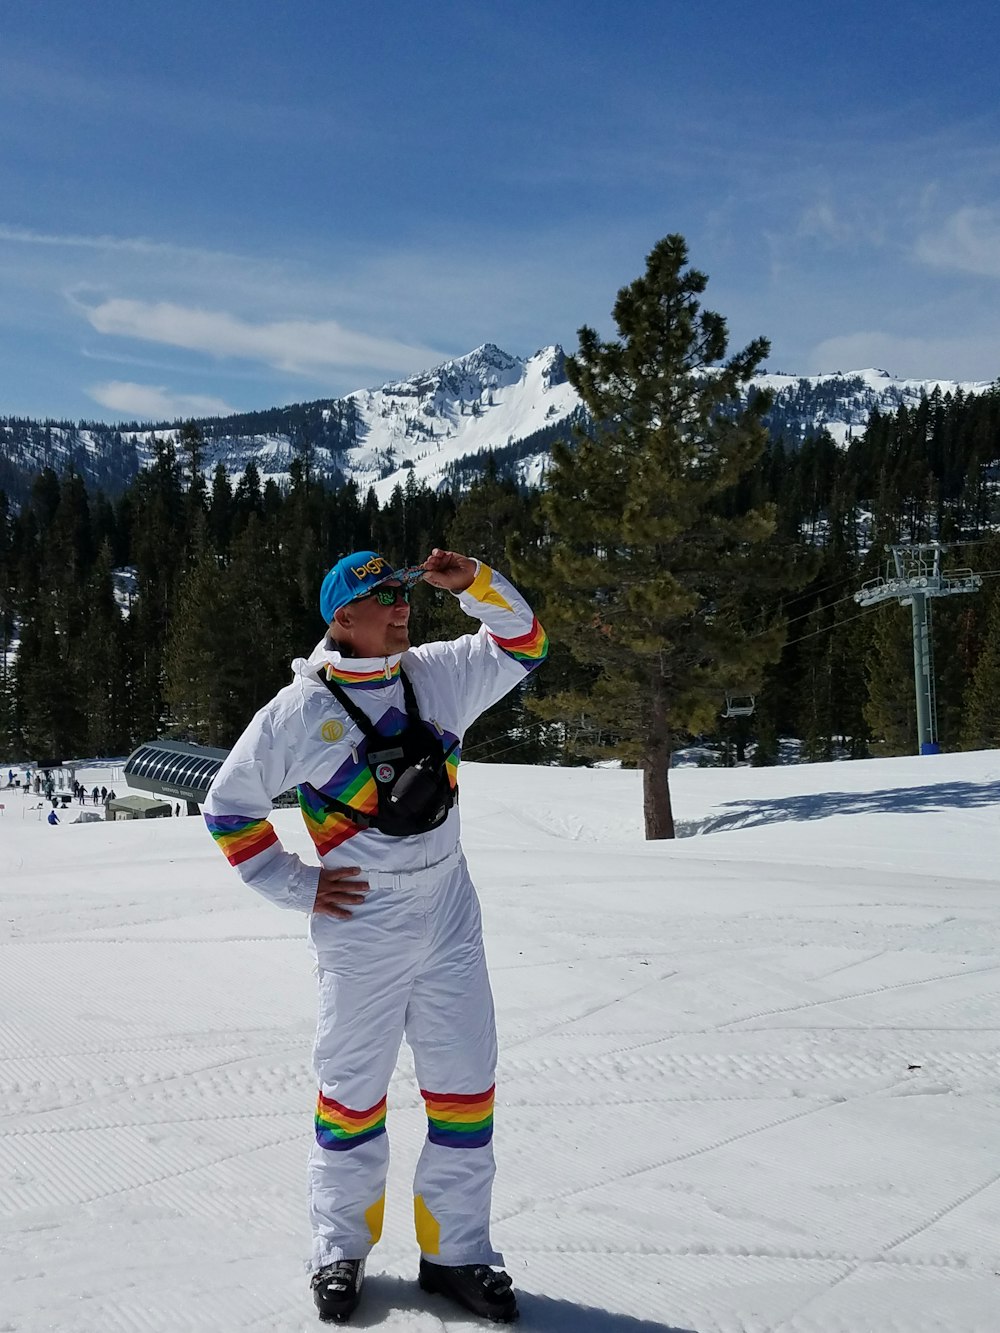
(748, 1081)
(841, 403)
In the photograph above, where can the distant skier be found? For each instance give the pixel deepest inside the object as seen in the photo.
(95, 793)
(53, 818)
(370, 733)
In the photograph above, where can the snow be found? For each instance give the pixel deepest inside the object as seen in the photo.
(749, 1080)
(427, 422)
(876, 380)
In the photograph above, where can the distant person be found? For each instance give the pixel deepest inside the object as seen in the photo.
(10, 777)
(104, 793)
(111, 796)
(369, 731)
(177, 808)
(95, 794)
(53, 818)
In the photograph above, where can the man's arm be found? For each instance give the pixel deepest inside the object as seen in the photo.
(236, 811)
(510, 644)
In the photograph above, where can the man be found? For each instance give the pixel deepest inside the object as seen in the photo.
(370, 732)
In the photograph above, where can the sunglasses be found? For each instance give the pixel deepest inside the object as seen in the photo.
(385, 596)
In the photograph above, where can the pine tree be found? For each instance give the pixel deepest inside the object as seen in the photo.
(651, 580)
(982, 701)
(220, 510)
(7, 592)
(191, 443)
(160, 541)
(890, 709)
(105, 665)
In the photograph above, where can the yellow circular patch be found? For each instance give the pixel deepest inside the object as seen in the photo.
(332, 730)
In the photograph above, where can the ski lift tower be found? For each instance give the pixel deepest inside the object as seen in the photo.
(913, 578)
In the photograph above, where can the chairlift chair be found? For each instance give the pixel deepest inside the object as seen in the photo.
(739, 705)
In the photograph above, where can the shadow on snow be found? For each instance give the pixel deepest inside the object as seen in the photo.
(539, 1314)
(820, 805)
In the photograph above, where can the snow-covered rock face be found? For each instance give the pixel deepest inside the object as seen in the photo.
(486, 399)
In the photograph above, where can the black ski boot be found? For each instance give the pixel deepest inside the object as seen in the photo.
(476, 1286)
(336, 1289)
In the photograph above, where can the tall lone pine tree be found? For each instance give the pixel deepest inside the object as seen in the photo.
(653, 566)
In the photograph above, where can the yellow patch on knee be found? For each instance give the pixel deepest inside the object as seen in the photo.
(428, 1227)
(374, 1216)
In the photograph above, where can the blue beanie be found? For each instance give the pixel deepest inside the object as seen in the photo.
(351, 577)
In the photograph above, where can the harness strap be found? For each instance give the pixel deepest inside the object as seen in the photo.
(411, 699)
(351, 709)
(361, 718)
(371, 732)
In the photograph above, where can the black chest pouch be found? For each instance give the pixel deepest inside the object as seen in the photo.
(410, 771)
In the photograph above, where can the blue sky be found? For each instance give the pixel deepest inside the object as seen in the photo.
(210, 206)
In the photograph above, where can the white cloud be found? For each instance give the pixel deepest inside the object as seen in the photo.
(963, 358)
(299, 345)
(138, 245)
(969, 241)
(152, 402)
(820, 221)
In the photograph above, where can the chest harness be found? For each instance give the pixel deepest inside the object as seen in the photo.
(409, 769)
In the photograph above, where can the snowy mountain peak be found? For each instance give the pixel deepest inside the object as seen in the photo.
(484, 399)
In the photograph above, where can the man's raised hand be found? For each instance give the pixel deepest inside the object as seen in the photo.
(449, 570)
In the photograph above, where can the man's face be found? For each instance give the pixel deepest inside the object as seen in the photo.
(374, 625)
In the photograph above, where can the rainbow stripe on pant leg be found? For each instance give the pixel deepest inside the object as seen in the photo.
(459, 1120)
(339, 1128)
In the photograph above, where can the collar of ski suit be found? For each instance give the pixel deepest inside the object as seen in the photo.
(357, 673)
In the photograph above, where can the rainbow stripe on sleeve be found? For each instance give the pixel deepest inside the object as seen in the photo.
(529, 649)
(239, 837)
(458, 1120)
(338, 1128)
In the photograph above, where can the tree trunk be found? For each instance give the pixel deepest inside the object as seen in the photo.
(656, 810)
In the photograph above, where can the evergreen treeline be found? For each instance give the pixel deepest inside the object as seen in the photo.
(176, 608)
(222, 583)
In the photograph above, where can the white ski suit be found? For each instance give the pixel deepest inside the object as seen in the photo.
(410, 959)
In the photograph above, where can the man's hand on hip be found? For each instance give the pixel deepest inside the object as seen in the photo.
(449, 570)
(337, 892)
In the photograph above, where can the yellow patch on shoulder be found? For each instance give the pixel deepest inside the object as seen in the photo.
(481, 588)
(332, 730)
